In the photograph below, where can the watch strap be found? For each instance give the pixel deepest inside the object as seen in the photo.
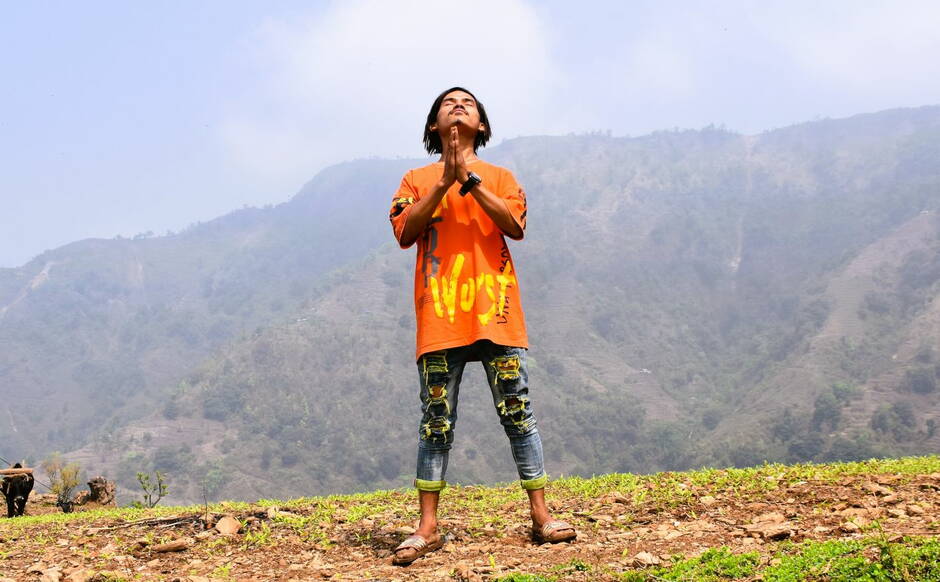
(472, 181)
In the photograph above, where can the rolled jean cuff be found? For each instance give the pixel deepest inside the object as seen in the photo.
(423, 485)
(533, 484)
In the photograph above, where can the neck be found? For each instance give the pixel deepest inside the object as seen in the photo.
(467, 150)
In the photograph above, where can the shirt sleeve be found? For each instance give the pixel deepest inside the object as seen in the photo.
(514, 197)
(402, 202)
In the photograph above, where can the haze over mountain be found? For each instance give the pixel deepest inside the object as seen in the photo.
(693, 298)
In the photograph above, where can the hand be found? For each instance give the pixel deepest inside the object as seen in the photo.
(450, 158)
(460, 164)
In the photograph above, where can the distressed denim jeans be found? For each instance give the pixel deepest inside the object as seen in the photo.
(440, 373)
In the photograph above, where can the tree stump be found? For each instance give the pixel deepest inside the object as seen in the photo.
(100, 491)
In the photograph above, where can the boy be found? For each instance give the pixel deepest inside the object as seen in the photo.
(459, 210)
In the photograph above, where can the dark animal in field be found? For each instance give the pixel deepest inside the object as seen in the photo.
(16, 488)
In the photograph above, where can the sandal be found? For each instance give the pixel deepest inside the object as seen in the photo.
(417, 546)
(553, 532)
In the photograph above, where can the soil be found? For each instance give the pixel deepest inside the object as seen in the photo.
(614, 535)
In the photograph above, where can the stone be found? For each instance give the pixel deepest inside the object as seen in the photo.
(646, 559)
(914, 509)
(51, 575)
(707, 500)
(771, 517)
(849, 527)
(876, 489)
(770, 530)
(228, 526)
(855, 512)
(673, 535)
(174, 546)
(620, 498)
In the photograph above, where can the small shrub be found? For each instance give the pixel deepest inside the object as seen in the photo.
(920, 381)
(63, 479)
(827, 410)
(151, 490)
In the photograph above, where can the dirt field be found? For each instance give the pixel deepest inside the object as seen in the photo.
(625, 524)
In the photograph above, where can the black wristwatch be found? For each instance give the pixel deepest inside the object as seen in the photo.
(472, 181)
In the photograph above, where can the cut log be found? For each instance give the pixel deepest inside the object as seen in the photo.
(9, 472)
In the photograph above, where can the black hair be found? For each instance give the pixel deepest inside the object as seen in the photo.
(432, 141)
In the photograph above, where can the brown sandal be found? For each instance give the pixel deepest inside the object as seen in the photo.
(418, 546)
(553, 532)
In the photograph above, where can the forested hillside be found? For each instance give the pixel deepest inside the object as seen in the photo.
(693, 298)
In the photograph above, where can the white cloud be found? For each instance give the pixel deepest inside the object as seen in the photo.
(357, 79)
(354, 79)
(884, 50)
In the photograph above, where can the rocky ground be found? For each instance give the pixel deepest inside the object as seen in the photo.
(626, 524)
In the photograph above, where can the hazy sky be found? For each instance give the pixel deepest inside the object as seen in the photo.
(123, 117)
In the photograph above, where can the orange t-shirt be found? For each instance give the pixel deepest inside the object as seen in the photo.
(465, 281)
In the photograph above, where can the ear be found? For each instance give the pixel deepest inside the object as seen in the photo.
(432, 127)
(482, 128)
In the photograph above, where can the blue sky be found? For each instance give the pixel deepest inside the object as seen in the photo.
(123, 117)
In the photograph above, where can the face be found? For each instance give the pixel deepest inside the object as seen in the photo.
(458, 108)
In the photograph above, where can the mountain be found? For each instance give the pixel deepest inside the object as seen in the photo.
(693, 298)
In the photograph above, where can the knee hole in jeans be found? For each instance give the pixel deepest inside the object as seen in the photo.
(437, 430)
(516, 410)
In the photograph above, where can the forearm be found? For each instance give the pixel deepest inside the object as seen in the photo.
(421, 213)
(495, 207)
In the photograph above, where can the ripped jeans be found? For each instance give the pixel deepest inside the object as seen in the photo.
(440, 374)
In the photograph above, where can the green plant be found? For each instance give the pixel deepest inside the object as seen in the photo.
(158, 489)
(261, 537)
(713, 565)
(63, 479)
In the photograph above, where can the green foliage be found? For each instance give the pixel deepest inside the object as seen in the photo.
(574, 565)
(786, 426)
(713, 565)
(153, 492)
(826, 410)
(848, 561)
(897, 419)
(63, 479)
(920, 381)
(867, 560)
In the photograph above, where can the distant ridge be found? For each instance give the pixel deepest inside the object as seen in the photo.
(693, 297)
